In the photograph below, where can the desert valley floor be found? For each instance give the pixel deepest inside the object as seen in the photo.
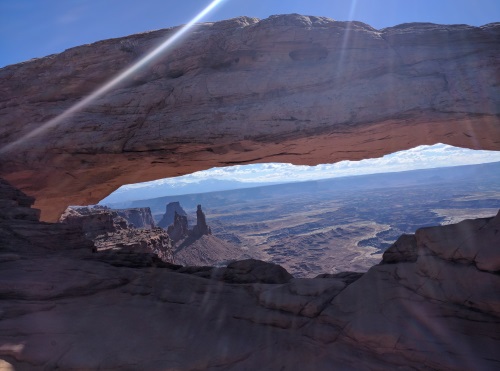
(343, 224)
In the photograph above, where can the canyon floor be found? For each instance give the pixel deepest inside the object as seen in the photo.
(343, 224)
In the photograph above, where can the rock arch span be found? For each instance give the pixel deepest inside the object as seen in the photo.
(289, 88)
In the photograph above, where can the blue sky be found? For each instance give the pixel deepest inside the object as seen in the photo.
(36, 28)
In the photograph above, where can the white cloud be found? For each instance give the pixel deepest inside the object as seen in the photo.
(421, 157)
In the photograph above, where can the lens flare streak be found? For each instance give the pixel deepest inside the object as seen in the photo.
(116, 80)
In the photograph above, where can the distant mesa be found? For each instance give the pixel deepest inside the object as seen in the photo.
(169, 216)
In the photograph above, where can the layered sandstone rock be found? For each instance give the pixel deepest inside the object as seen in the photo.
(168, 218)
(139, 217)
(288, 88)
(153, 241)
(448, 292)
(94, 220)
(109, 230)
(430, 314)
(180, 226)
(180, 229)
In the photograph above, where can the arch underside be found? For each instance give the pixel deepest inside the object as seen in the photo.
(291, 89)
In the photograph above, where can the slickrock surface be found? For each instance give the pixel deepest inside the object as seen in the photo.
(74, 309)
(289, 88)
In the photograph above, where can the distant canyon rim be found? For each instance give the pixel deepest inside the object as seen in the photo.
(289, 88)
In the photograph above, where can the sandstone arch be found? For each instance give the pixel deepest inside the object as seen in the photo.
(289, 88)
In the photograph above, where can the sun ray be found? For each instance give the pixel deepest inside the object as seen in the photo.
(345, 39)
(116, 80)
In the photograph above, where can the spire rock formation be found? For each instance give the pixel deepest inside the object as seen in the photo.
(201, 228)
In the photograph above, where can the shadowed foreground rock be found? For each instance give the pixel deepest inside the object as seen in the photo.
(20, 228)
(289, 88)
(123, 310)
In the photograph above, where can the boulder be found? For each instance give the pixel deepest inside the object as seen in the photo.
(252, 270)
(474, 241)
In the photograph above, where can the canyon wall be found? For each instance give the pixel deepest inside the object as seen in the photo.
(290, 88)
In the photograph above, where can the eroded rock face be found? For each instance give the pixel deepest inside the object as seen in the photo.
(179, 229)
(201, 228)
(21, 229)
(168, 218)
(94, 220)
(290, 88)
(428, 314)
(109, 230)
(197, 246)
(446, 280)
(139, 217)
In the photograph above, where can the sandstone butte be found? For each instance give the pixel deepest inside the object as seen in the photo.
(289, 88)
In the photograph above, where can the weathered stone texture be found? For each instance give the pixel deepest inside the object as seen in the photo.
(289, 88)
(110, 230)
(168, 218)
